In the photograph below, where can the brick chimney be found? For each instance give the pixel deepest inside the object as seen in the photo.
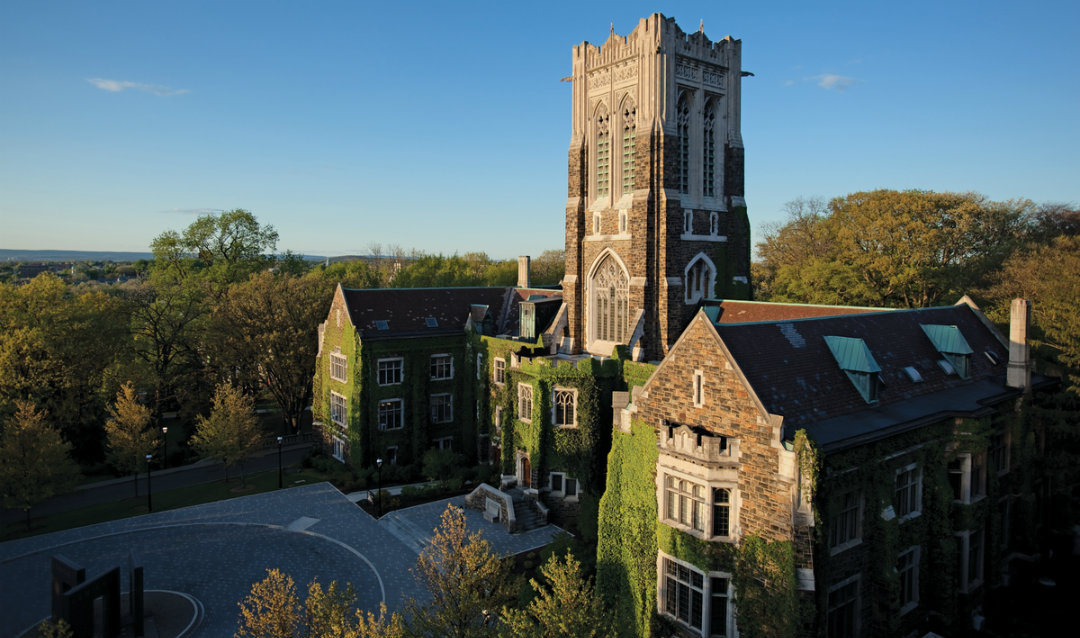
(1019, 372)
(523, 271)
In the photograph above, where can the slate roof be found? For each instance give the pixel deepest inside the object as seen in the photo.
(734, 311)
(406, 310)
(793, 372)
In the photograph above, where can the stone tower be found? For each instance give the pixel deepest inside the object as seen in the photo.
(655, 216)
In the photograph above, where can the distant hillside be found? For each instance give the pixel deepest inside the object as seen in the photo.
(89, 255)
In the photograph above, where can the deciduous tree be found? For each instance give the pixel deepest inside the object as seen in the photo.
(466, 581)
(565, 606)
(271, 609)
(129, 438)
(231, 432)
(35, 463)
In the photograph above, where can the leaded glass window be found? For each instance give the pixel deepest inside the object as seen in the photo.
(629, 148)
(603, 154)
(709, 150)
(610, 315)
(682, 114)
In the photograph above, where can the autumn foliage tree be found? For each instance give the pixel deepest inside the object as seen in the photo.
(129, 439)
(565, 606)
(468, 583)
(35, 463)
(231, 432)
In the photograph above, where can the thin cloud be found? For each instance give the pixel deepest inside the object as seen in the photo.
(193, 211)
(116, 86)
(834, 82)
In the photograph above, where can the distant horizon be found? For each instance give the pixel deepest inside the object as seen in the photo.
(447, 126)
(46, 254)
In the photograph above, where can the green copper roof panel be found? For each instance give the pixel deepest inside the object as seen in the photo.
(947, 339)
(852, 354)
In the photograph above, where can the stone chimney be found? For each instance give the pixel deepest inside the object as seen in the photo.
(1019, 372)
(523, 271)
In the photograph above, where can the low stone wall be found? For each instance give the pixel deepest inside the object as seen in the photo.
(484, 495)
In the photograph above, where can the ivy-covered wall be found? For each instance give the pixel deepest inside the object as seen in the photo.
(870, 471)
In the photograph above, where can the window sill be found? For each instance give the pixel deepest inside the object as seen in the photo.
(909, 607)
(909, 516)
(696, 533)
(843, 547)
(566, 427)
(387, 385)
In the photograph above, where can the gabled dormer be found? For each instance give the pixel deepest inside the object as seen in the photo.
(950, 342)
(855, 359)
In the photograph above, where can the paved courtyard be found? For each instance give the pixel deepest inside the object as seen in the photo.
(214, 552)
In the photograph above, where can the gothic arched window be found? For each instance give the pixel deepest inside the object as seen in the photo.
(700, 279)
(682, 114)
(610, 297)
(629, 146)
(709, 149)
(603, 152)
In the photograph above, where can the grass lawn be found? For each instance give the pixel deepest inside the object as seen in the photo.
(167, 500)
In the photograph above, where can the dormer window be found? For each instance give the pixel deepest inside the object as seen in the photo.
(382, 324)
(950, 342)
(431, 322)
(855, 359)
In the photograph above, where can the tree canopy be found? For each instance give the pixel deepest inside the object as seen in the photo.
(889, 248)
(231, 432)
(129, 438)
(35, 463)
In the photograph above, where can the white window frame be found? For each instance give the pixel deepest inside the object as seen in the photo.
(1001, 451)
(914, 509)
(525, 391)
(391, 454)
(498, 371)
(339, 410)
(663, 596)
(699, 388)
(385, 369)
(441, 366)
(562, 483)
(339, 367)
(623, 222)
(679, 495)
(854, 601)
(839, 541)
(444, 443)
(448, 408)
(555, 395)
(399, 409)
(338, 450)
(972, 477)
(714, 223)
(913, 554)
(967, 583)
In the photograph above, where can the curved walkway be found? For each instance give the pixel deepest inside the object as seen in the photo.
(216, 551)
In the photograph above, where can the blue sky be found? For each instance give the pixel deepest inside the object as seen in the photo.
(444, 126)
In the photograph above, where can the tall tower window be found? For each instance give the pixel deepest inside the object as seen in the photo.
(610, 287)
(700, 279)
(603, 154)
(709, 149)
(682, 113)
(629, 148)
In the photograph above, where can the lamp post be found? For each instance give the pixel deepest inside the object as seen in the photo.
(165, 444)
(149, 502)
(378, 470)
(280, 480)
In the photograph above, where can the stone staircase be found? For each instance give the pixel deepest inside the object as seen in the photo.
(526, 510)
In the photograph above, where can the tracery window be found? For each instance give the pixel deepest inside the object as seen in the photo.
(699, 280)
(564, 403)
(709, 150)
(629, 147)
(682, 115)
(611, 301)
(603, 153)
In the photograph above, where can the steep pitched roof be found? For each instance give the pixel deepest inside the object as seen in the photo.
(795, 374)
(406, 311)
(735, 311)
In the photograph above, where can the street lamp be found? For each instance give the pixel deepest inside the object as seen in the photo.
(149, 502)
(165, 443)
(378, 469)
(280, 481)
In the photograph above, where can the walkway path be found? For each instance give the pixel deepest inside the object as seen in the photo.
(217, 550)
